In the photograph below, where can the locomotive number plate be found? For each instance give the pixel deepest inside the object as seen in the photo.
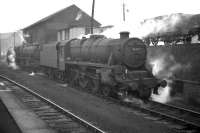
(136, 49)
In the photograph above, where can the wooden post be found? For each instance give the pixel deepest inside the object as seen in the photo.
(14, 39)
(124, 15)
(92, 19)
(0, 45)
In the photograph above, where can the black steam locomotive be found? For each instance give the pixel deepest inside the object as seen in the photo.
(98, 64)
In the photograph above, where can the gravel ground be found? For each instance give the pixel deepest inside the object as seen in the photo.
(108, 116)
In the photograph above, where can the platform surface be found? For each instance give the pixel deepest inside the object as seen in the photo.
(26, 120)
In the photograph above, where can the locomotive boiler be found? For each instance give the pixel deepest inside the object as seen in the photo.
(125, 51)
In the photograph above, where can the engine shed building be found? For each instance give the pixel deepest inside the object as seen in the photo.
(65, 24)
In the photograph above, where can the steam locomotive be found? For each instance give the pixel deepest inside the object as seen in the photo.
(97, 64)
(28, 55)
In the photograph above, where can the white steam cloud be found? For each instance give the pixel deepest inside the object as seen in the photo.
(164, 67)
(163, 94)
(11, 59)
(163, 24)
(31, 74)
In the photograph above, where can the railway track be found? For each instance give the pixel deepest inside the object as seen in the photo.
(188, 118)
(56, 117)
(187, 121)
(179, 119)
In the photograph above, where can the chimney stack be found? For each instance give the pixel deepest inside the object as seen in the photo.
(124, 34)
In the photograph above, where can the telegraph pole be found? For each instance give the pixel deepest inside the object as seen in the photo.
(14, 39)
(124, 15)
(92, 19)
(0, 45)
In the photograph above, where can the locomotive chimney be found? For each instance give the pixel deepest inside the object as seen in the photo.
(124, 34)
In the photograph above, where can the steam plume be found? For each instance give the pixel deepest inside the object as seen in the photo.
(164, 94)
(179, 23)
(31, 74)
(164, 66)
(11, 59)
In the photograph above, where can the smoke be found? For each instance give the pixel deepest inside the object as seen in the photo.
(164, 66)
(12, 64)
(163, 93)
(2, 84)
(195, 39)
(113, 32)
(31, 74)
(22, 36)
(164, 24)
(11, 59)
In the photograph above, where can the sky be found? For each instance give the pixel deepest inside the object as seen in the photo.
(17, 14)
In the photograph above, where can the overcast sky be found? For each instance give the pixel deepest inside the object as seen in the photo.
(17, 14)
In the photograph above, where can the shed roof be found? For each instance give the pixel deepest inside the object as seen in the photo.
(75, 17)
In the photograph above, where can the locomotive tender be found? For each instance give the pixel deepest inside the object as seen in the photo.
(99, 64)
(28, 55)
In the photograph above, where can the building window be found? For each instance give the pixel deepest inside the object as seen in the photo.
(76, 32)
(58, 36)
(63, 34)
(62, 51)
(67, 34)
(87, 31)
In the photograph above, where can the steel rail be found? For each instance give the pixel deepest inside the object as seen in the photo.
(178, 108)
(174, 118)
(157, 113)
(65, 111)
